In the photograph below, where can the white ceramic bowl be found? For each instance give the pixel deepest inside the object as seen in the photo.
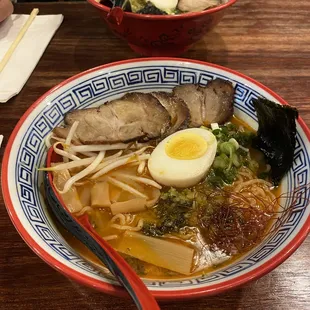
(26, 151)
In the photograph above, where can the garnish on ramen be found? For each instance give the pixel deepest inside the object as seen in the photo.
(174, 181)
(164, 7)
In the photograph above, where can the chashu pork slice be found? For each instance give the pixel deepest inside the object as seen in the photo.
(193, 98)
(177, 109)
(135, 116)
(218, 105)
(210, 104)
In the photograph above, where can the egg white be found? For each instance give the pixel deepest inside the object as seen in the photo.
(165, 5)
(182, 173)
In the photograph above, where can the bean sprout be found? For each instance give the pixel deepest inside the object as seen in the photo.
(126, 187)
(138, 179)
(69, 138)
(70, 165)
(83, 173)
(47, 140)
(71, 133)
(244, 148)
(141, 166)
(116, 155)
(110, 160)
(88, 154)
(63, 153)
(116, 164)
(58, 139)
(98, 148)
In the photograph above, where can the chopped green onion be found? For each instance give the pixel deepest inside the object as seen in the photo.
(235, 160)
(215, 126)
(244, 148)
(234, 142)
(227, 148)
(216, 131)
(220, 162)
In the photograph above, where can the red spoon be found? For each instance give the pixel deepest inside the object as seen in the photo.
(81, 228)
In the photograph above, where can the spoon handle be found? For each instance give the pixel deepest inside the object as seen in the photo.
(123, 271)
(112, 260)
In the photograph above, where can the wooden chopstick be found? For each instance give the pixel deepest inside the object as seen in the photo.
(20, 35)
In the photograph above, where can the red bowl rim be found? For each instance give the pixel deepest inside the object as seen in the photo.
(165, 17)
(258, 272)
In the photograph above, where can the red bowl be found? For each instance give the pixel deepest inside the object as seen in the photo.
(161, 35)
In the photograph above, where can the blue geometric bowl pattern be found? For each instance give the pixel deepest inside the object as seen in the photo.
(105, 84)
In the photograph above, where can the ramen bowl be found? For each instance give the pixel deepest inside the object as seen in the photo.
(162, 35)
(26, 151)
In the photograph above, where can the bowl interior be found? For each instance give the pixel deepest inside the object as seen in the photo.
(102, 6)
(26, 151)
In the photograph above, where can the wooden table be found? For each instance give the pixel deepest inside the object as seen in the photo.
(267, 40)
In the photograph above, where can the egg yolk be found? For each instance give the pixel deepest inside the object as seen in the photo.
(186, 146)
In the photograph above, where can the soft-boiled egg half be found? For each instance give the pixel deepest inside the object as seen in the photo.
(184, 158)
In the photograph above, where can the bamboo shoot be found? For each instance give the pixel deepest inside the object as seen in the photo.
(159, 252)
(70, 198)
(85, 194)
(115, 193)
(100, 197)
(132, 205)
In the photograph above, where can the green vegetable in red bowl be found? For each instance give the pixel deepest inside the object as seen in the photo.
(159, 28)
(165, 7)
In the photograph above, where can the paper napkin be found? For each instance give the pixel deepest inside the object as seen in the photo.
(28, 52)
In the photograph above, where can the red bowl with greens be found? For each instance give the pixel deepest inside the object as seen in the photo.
(162, 35)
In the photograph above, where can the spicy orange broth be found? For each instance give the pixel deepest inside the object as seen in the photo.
(151, 271)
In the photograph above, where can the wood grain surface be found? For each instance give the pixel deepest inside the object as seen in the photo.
(268, 40)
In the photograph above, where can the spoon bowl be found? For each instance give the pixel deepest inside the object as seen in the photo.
(81, 228)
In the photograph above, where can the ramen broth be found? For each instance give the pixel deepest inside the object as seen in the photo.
(206, 258)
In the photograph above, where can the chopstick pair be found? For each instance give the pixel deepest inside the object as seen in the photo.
(20, 35)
